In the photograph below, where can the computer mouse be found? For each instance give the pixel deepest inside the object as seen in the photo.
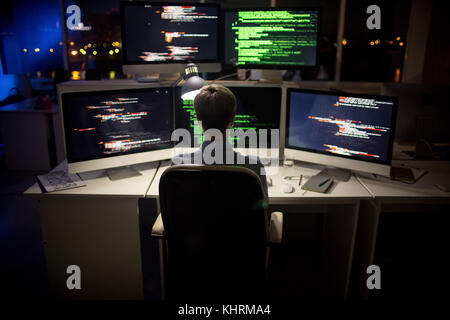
(288, 163)
(287, 188)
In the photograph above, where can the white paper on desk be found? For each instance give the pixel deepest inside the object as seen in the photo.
(60, 180)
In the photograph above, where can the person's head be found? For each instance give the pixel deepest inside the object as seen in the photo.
(215, 107)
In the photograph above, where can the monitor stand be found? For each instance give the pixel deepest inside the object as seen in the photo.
(169, 76)
(158, 77)
(272, 76)
(336, 173)
(122, 173)
(148, 78)
(266, 76)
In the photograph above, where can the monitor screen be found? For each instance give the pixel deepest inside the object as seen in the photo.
(257, 108)
(165, 33)
(99, 124)
(347, 125)
(271, 38)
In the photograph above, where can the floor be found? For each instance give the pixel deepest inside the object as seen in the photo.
(412, 252)
(22, 266)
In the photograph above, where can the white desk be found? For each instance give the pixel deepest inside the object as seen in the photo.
(340, 207)
(97, 228)
(340, 192)
(388, 191)
(391, 197)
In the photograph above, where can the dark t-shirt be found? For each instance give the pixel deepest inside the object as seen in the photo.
(251, 162)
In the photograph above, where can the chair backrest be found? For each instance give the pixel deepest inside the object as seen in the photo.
(215, 219)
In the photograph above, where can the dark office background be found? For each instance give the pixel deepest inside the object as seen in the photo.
(32, 42)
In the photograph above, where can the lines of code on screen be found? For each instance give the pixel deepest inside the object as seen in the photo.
(257, 108)
(284, 38)
(170, 33)
(347, 126)
(102, 124)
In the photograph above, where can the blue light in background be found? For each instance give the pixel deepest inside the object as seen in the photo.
(36, 27)
(1, 66)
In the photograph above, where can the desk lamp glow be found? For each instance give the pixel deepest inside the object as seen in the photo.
(193, 83)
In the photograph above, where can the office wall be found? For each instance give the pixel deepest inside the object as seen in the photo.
(437, 62)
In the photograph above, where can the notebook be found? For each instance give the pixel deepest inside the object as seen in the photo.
(59, 180)
(318, 183)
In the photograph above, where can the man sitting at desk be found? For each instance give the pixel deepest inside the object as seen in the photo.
(215, 108)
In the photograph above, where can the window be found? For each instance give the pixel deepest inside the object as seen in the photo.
(374, 55)
(93, 38)
(31, 37)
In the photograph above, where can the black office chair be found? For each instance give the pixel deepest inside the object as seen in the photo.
(214, 232)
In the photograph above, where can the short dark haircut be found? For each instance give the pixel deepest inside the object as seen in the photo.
(215, 107)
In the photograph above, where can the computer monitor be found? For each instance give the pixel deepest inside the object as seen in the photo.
(271, 38)
(116, 128)
(349, 131)
(162, 37)
(258, 107)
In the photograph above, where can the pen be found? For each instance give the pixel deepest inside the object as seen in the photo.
(290, 177)
(300, 180)
(322, 183)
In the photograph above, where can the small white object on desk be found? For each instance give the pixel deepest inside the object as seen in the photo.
(287, 188)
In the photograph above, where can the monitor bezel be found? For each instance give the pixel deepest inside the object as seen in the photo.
(338, 93)
(274, 66)
(126, 61)
(65, 121)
